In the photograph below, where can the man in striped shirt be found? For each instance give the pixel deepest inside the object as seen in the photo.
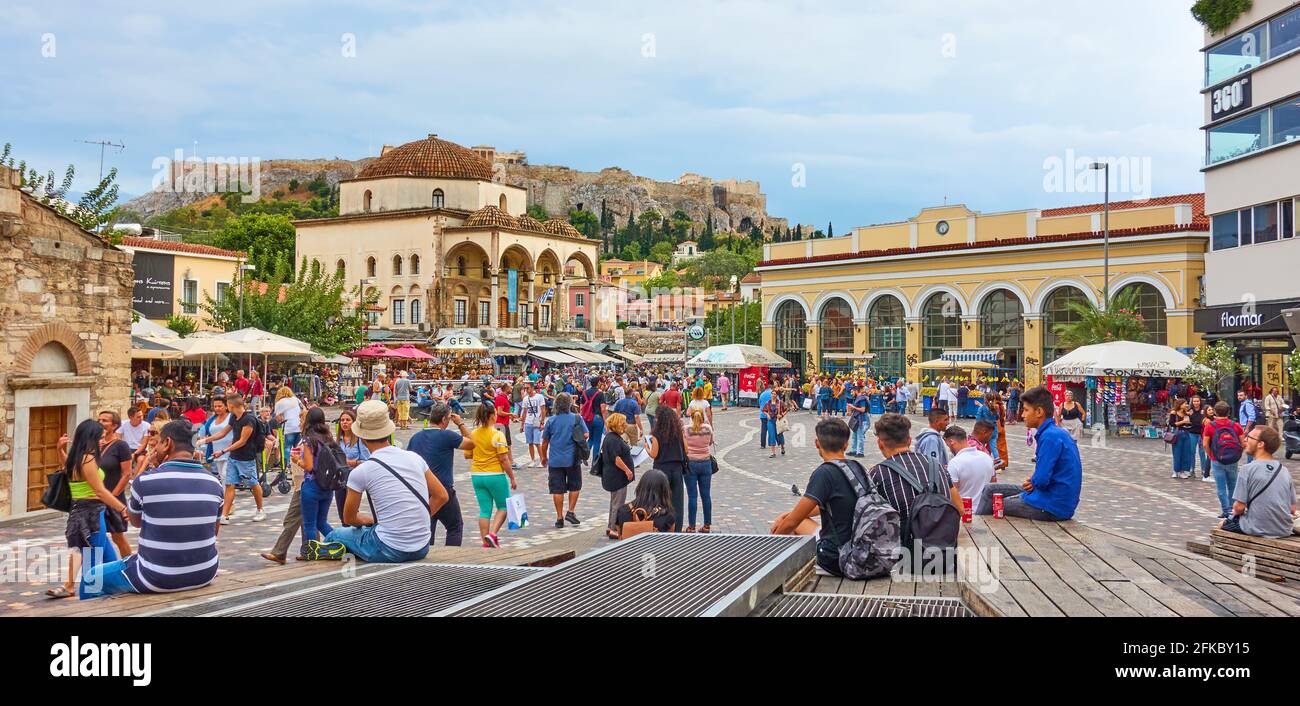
(894, 437)
(177, 506)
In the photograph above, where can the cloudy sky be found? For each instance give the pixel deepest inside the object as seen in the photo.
(856, 112)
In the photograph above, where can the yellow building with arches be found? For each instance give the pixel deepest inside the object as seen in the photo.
(444, 245)
(952, 278)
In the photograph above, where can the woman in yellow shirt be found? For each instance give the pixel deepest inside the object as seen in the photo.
(90, 498)
(491, 474)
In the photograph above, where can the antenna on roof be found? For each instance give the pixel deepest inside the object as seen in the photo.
(102, 144)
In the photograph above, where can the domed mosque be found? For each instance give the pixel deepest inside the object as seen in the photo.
(447, 247)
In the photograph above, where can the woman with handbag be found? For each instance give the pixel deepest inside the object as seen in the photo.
(699, 475)
(1071, 416)
(650, 511)
(777, 424)
(668, 449)
(1180, 422)
(615, 467)
(90, 497)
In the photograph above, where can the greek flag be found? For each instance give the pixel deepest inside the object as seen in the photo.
(546, 296)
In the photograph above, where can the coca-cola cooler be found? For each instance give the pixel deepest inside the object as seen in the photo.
(748, 380)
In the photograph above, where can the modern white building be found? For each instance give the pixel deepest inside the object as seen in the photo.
(1252, 181)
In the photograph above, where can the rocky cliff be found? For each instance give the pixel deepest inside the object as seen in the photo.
(732, 206)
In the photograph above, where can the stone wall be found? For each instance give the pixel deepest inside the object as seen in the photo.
(644, 341)
(61, 284)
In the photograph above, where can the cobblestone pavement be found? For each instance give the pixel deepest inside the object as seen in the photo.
(1126, 489)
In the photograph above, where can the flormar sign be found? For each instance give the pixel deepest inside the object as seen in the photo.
(1256, 317)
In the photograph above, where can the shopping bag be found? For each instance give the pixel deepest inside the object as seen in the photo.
(807, 403)
(639, 455)
(516, 512)
(102, 551)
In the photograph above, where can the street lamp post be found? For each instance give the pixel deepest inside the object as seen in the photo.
(1104, 167)
(732, 305)
(244, 268)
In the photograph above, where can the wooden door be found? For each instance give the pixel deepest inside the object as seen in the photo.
(47, 424)
(503, 313)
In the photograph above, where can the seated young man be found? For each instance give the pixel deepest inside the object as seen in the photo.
(894, 438)
(1052, 493)
(403, 494)
(829, 495)
(178, 539)
(1263, 503)
(970, 468)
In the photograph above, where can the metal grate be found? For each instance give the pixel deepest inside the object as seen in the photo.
(202, 605)
(654, 574)
(403, 590)
(825, 605)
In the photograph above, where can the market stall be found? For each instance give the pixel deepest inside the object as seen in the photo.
(1124, 383)
(953, 366)
(460, 354)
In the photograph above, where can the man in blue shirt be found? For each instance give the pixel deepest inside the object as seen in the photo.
(629, 408)
(436, 446)
(1052, 493)
(559, 456)
(763, 398)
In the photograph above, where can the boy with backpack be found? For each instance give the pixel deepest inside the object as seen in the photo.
(1223, 442)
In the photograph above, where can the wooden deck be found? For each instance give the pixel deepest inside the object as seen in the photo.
(1036, 569)
(1277, 559)
(290, 576)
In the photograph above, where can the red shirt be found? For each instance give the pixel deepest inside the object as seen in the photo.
(196, 416)
(243, 385)
(502, 403)
(672, 398)
(1222, 423)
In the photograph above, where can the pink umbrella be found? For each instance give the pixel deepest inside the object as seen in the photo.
(373, 350)
(410, 352)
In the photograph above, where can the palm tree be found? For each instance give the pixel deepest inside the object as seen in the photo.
(1121, 322)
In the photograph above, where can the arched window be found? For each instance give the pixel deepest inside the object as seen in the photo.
(365, 201)
(1057, 312)
(415, 264)
(1002, 325)
(836, 334)
(437, 198)
(791, 333)
(370, 267)
(341, 269)
(502, 203)
(460, 266)
(941, 318)
(1151, 307)
(888, 337)
(415, 311)
(487, 270)
(397, 265)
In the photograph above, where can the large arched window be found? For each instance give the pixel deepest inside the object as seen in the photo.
(341, 269)
(1057, 312)
(415, 264)
(365, 201)
(415, 311)
(941, 319)
(791, 333)
(501, 203)
(460, 266)
(370, 266)
(888, 337)
(836, 335)
(1002, 325)
(397, 265)
(437, 198)
(1151, 307)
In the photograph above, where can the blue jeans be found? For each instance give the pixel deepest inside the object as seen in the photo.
(774, 439)
(859, 438)
(699, 482)
(290, 441)
(365, 544)
(597, 429)
(105, 579)
(1205, 459)
(315, 511)
(1184, 453)
(1225, 481)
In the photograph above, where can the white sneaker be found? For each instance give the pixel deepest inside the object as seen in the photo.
(1207, 479)
(259, 516)
(225, 519)
(1175, 475)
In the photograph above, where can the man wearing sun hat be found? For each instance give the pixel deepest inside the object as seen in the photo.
(403, 495)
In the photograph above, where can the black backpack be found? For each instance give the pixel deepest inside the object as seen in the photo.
(581, 449)
(933, 521)
(330, 466)
(258, 441)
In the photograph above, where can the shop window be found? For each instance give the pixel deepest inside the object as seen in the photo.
(1057, 311)
(888, 337)
(1236, 55)
(1151, 306)
(941, 318)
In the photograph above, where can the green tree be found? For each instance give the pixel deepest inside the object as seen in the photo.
(719, 322)
(293, 185)
(93, 210)
(707, 240)
(713, 270)
(538, 211)
(830, 230)
(312, 304)
(662, 252)
(182, 325)
(668, 280)
(1215, 364)
(630, 252)
(1093, 324)
(265, 237)
(586, 223)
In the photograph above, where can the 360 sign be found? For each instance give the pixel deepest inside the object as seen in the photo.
(1230, 98)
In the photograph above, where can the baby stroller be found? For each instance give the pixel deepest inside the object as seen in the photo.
(272, 472)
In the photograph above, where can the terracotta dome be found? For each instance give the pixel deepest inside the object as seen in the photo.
(527, 222)
(431, 158)
(559, 226)
(491, 217)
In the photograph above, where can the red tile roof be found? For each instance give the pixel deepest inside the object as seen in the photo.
(132, 241)
(752, 278)
(1200, 224)
(1197, 202)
